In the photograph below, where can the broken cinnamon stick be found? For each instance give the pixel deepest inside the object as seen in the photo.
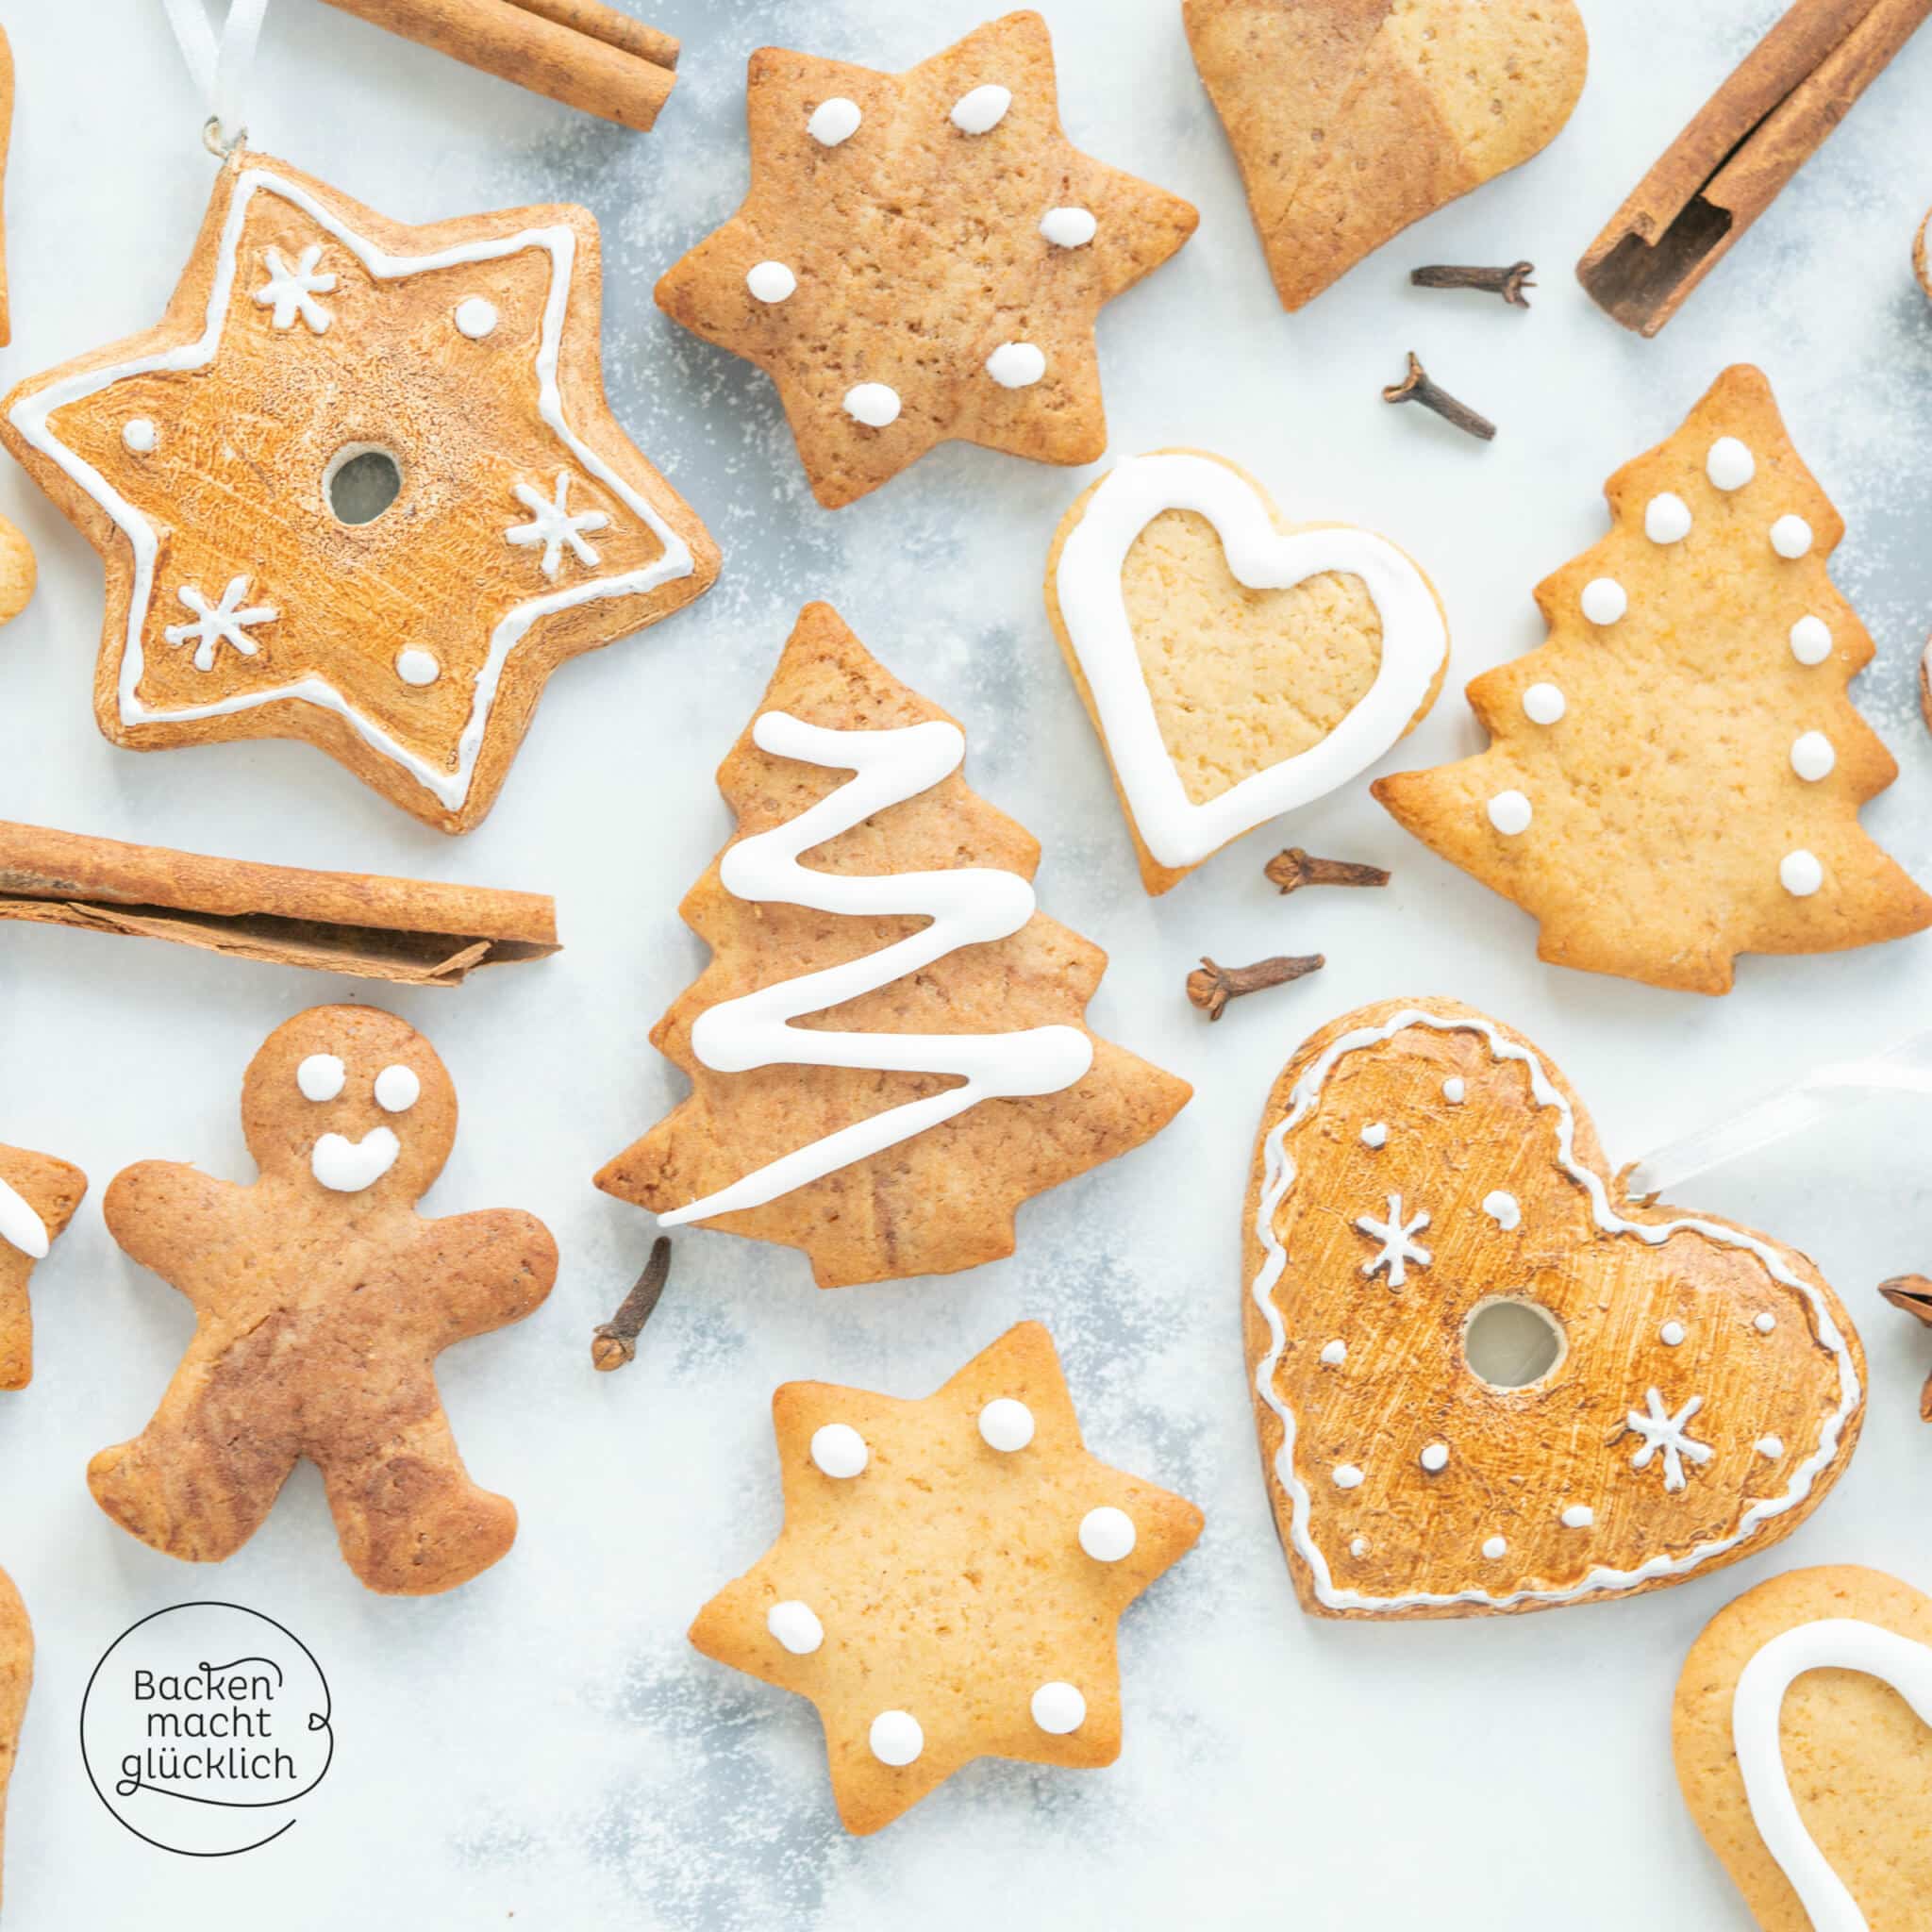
(579, 52)
(1739, 152)
(408, 931)
(6, 137)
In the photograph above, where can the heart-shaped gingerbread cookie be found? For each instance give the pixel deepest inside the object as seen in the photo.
(1353, 118)
(1802, 1736)
(1688, 1391)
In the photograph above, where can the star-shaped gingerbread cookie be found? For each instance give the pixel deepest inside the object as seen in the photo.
(922, 258)
(949, 1578)
(360, 487)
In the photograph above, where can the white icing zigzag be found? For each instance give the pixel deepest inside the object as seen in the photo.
(968, 906)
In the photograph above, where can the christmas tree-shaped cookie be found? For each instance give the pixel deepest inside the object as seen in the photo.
(886, 1051)
(1676, 774)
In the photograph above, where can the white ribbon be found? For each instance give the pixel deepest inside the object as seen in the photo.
(220, 68)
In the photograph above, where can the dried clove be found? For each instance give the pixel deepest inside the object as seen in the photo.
(1508, 282)
(1913, 1293)
(1420, 386)
(1210, 986)
(1296, 868)
(615, 1343)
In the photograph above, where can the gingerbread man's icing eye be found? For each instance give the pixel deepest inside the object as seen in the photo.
(319, 1077)
(397, 1089)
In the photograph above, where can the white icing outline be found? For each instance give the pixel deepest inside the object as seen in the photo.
(21, 1225)
(1843, 1643)
(1278, 1174)
(31, 414)
(1086, 581)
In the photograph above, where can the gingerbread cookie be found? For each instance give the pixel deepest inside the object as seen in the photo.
(37, 1196)
(922, 258)
(1351, 119)
(360, 487)
(1484, 1378)
(1676, 774)
(949, 1577)
(1802, 1736)
(18, 570)
(1235, 665)
(959, 1079)
(323, 1300)
(16, 1680)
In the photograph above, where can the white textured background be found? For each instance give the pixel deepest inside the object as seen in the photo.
(542, 1745)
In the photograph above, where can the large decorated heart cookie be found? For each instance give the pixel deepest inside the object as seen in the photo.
(1803, 1735)
(1235, 665)
(1484, 1378)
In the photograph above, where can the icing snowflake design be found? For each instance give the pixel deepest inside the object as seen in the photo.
(292, 290)
(1399, 1246)
(215, 624)
(553, 526)
(1664, 1432)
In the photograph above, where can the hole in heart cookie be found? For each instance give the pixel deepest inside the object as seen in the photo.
(1241, 679)
(361, 481)
(1511, 1343)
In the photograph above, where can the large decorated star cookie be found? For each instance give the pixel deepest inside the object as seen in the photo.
(949, 1578)
(1486, 1380)
(360, 487)
(1802, 1736)
(1235, 665)
(1676, 775)
(38, 1198)
(922, 257)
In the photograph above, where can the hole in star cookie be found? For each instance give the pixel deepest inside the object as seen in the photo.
(361, 481)
(1509, 1343)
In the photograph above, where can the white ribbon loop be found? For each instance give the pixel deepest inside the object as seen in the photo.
(219, 69)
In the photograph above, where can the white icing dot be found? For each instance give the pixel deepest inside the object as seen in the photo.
(796, 1627)
(1667, 519)
(1770, 1447)
(1812, 757)
(1765, 1323)
(319, 1077)
(834, 121)
(1359, 1548)
(1494, 1548)
(1799, 872)
(770, 281)
(1672, 1333)
(1376, 1134)
(1578, 1516)
(983, 109)
(417, 666)
(1347, 1476)
(397, 1089)
(1503, 1209)
(1067, 228)
(1810, 640)
(476, 317)
(1059, 1709)
(1730, 465)
(1006, 1424)
(840, 1450)
(895, 1737)
(1605, 600)
(1790, 535)
(1016, 365)
(1435, 1457)
(1334, 1353)
(1543, 704)
(873, 403)
(140, 434)
(1454, 1088)
(1511, 813)
(1106, 1534)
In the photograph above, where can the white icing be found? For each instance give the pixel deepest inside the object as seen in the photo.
(1765, 1323)
(1435, 1457)
(1605, 600)
(1279, 1175)
(1059, 1709)
(21, 1226)
(1511, 813)
(1810, 640)
(1006, 1424)
(1812, 757)
(1016, 365)
(1067, 228)
(292, 291)
(1398, 1243)
(1334, 1353)
(416, 666)
(319, 1077)
(226, 623)
(1347, 1476)
(476, 317)
(1108, 1534)
(347, 1166)
(1672, 1334)
(968, 906)
(397, 1089)
(874, 404)
(1667, 518)
(553, 527)
(1455, 1089)
(1503, 1209)
(840, 1450)
(140, 434)
(1842, 1644)
(1578, 1516)
(1730, 464)
(771, 281)
(1543, 704)
(895, 1738)
(31, 415)
(1086, 582)
(1799, 872)
(1359, 1548)
(983, 109)
(1791, 537)
(1375, 1135)
(796, 1627)
(1666, 1434)
(834, 121)
(1771, 1447)
(1495, 1548)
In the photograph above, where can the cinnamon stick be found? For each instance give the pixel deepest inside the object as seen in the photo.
(6, 137)
(1739, 152)
(579, 52)
(408, 932)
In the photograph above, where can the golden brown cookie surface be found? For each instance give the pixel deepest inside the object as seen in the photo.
(16, 1680)
(949, 1578)
(38, 1198)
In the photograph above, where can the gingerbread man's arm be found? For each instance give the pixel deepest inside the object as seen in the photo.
(485, 1271)
(166, 1215)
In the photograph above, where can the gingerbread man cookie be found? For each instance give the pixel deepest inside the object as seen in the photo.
(37, 1196)
(360, 487)
(16, 1680)
(323, 1300)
